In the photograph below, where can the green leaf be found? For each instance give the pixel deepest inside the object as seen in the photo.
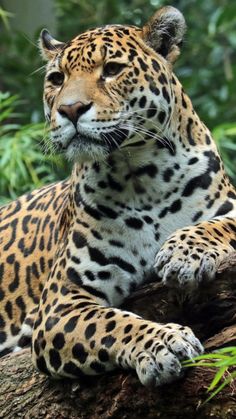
(217, 378)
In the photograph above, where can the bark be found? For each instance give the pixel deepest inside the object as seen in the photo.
(25, 393)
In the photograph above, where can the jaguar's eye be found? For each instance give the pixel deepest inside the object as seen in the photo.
(112, 69)
(56, 78)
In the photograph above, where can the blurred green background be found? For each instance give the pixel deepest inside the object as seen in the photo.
(206, 67)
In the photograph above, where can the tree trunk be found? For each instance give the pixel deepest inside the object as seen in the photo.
(25, 393)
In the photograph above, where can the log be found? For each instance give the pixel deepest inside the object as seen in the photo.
(25, 393)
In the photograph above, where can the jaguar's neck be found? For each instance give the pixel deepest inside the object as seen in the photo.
(185, 127)
(123, 179)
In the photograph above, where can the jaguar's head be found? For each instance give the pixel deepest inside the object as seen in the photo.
(111, 87)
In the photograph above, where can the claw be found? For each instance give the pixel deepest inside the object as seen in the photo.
(161, 363)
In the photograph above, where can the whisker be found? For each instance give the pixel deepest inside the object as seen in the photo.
(114, 140)
(137, 111)
(150, 134)
(163, 140)
(42, 68)
(137, 132)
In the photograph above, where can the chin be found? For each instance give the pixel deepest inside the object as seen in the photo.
(81, 153)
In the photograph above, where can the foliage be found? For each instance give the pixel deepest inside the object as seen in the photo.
(223, 360)
(225, 137)
(22, 165)
(4, 16)
(19, 73)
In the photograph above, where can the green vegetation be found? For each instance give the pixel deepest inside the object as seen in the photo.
(225, 137)
(22, 165)
(224, 361)
(4, 16)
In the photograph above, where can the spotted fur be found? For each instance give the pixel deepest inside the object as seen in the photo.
(148, 192)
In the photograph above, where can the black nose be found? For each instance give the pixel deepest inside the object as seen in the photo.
(73, 112)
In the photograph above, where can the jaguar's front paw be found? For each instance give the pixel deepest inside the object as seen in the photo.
(158, 352)
(186, 262)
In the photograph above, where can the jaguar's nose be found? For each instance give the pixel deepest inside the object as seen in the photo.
(73, 112)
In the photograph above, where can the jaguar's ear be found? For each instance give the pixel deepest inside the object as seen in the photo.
(164, 32)
(48, 45)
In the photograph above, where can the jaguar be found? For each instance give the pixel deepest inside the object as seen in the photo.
(148, 195)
